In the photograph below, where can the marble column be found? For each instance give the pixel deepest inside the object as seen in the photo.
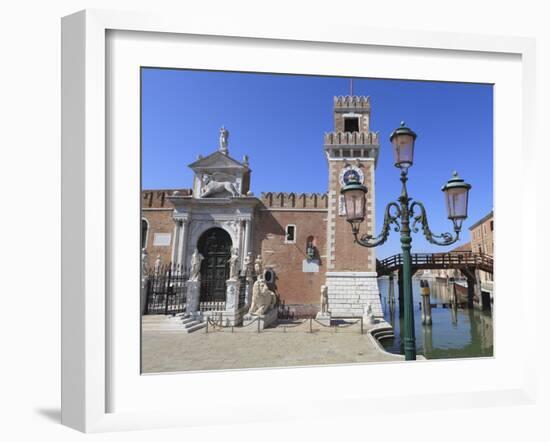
(247, 234)
(182, 243)
(175, 235)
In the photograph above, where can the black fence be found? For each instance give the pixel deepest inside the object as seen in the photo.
(166, 291)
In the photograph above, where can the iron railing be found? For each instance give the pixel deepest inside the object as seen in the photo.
(165, 290)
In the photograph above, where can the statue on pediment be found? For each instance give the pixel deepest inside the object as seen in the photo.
(224, 137)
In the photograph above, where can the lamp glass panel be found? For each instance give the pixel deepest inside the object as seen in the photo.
(355, 204)
(403, 150)
(457, 202)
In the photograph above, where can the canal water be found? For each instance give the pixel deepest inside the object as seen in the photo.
(454, 333)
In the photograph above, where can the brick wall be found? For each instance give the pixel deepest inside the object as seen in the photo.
(287, 259)
(157, 210)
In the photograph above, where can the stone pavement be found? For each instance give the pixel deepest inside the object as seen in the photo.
(165, 351)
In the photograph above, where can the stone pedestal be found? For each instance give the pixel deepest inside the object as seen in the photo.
(232, 295)
(265, 320)
(193, 289)
(323, 318)
(350, 293)
(248, 292)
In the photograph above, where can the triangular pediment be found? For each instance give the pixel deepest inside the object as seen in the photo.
(217, 161)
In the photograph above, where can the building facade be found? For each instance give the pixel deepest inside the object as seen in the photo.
(481, 235)
(303, 239)
(481, 241)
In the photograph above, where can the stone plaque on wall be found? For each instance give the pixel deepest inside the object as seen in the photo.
(162, 239)
(310, 266)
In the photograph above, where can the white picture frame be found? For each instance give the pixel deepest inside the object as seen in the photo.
(87, 210)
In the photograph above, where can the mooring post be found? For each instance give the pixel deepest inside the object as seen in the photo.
(426, 305)
(471, 290)
(391, 295)
(477, 275)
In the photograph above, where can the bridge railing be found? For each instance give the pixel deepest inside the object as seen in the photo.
(450, 259)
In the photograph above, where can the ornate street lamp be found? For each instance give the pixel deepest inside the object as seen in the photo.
(400, 214)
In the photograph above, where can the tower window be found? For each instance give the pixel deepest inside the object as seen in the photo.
(351, 124)
(290, 233)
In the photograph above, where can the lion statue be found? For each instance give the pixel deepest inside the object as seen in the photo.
(213, 186)
(263, 299)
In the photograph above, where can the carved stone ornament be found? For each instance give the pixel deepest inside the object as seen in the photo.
(196, 260)
(218, 183)
(324, 299)
(234, 264)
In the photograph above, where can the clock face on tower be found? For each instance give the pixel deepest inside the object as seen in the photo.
(351, 173)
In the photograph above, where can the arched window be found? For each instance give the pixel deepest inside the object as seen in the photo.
(144, 232)
(310, 247)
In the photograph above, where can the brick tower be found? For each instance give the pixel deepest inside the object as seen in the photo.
(351, 151)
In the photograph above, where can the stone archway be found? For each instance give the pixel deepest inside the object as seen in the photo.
(215, 246)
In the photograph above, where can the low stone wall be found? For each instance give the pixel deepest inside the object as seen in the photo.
(349, 294)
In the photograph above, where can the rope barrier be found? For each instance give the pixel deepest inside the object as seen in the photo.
(217, 325)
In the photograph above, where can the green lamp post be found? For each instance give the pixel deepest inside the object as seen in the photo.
(401, 213)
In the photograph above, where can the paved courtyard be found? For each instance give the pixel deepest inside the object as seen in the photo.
(165, 351)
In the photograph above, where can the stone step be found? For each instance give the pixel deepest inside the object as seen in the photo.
(177, 323)
(187, 320)
(195, 327)
(384, 335)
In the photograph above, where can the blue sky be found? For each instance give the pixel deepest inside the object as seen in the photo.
(279, 121)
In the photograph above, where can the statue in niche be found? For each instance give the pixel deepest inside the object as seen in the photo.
(263, 299)
(196, 261)
(215, 183)
(157, 264)
(234, 264)
(324, 300)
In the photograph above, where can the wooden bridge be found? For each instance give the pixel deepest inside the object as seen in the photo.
(468, 263)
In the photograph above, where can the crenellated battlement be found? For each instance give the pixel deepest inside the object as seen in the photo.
(351, 138)
(158, 199)
(284, 200)
(351, 102)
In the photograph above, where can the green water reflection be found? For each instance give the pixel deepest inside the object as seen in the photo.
(454, 333)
